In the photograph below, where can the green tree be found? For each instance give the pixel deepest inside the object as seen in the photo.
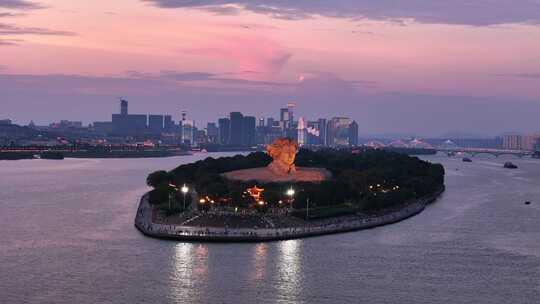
(158, 178)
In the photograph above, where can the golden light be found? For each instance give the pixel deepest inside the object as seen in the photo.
(202, 201)
(261, 203)
(255, 192)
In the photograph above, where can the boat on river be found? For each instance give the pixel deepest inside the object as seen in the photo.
(510, 165)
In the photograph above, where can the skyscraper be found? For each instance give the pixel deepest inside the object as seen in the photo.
(290, 107)
(237, 123)
(125, 124)
(284, 115)
(168, 124)
(212, 132)
(248, 131)
(302, 132)
(188, 132)
(123, 107)
(323, 130)
(224, 130)
(338, 131)
(353, 134)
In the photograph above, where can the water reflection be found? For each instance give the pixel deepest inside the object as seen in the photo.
(259, 258)
(189, 270)
(289, 271)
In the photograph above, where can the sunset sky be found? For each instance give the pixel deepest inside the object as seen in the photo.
(418, 66)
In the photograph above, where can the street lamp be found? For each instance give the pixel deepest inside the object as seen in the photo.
(290, 192)
(307, 209)
(170, 195)
(184, 190)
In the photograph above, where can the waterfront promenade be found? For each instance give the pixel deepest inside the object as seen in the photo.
(145, 223)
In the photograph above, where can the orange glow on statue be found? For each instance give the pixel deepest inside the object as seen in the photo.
(283, 151)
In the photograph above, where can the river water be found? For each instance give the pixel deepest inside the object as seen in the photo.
(67, 236)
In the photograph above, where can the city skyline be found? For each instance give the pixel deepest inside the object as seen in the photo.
(414, 68)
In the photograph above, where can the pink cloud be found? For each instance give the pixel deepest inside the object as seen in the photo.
(249, 53)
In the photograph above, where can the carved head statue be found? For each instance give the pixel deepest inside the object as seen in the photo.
(283, 151)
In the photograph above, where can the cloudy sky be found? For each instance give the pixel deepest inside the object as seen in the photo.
(418, 66)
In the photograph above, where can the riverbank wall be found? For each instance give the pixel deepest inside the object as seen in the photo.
(144, 223)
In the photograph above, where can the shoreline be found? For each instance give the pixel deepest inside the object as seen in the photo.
(83, 154)
(144, 223)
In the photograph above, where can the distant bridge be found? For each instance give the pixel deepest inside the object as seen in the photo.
(495, 152)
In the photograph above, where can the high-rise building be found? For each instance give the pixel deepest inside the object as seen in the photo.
(302, 132)
(212, 133)
(224, 130)
(155, 124)
(353, 134)
(512, 142)
(338, 131)
(323, 131)
(188, 132)
(284, 115)
(168, 124)
(313, 133)
(123, 107)
(290, 107)
(237, 125)
(537, 145)
(201, 137)
(528, 141)
(260, 122)
(125, 124)
(248, 131)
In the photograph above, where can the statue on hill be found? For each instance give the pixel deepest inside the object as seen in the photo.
(282, 168)
(283, 151)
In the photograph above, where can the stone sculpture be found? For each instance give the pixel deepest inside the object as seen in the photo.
(283, 151)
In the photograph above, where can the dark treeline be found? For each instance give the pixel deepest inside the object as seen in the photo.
(369, 180)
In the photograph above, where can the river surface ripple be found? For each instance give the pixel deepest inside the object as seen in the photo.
(67, 236)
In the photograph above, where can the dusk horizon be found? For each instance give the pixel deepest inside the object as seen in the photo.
(414, 68)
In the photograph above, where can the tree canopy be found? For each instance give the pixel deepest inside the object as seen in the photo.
(364, 180)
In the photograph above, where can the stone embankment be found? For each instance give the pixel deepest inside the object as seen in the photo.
(143, 222)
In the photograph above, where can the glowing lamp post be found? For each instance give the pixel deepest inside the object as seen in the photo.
(170, 195)
(290, 193)
(184, 190)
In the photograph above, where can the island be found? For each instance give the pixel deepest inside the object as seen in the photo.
(286, 193)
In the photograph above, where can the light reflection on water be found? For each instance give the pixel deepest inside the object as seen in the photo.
(289, 270)
(190, 266)
(259, 259)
